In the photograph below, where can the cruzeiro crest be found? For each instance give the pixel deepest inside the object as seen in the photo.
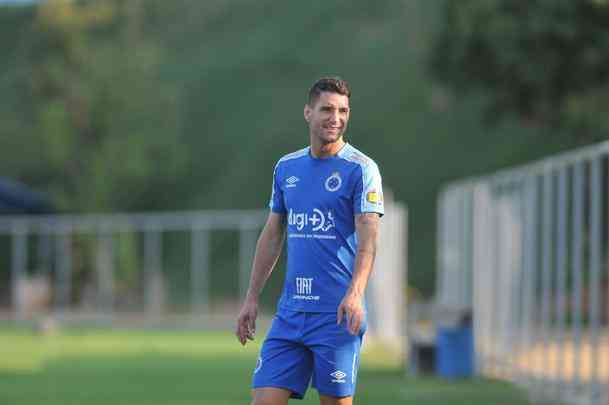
(333, 182)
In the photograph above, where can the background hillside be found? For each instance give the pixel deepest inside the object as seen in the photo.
(122, 106)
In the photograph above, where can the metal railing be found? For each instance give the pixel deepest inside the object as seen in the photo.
(527, 250)
(52, 252)
(156, 269)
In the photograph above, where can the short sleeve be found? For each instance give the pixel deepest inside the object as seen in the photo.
(368, 195)
(276, 203)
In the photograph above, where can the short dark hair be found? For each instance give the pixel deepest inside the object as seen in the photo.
(328, 84)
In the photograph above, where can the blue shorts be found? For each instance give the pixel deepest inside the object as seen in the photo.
(303, 347)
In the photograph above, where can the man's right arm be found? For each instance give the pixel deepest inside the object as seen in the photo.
(268, 250)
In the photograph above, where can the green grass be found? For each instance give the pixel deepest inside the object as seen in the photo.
(179, 368)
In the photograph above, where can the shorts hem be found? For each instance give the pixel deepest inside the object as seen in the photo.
(333, 394)
(295, 394)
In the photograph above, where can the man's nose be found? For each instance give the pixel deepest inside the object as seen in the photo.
(335, 117)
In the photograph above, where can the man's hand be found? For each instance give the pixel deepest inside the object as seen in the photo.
(268, 250)
(352, 307)
(353, 310)
(246, 323)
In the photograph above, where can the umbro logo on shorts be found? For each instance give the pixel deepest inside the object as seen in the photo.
(339, 376)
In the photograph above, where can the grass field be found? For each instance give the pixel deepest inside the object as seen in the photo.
(98, 367)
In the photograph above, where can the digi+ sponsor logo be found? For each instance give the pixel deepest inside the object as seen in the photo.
(317, 220)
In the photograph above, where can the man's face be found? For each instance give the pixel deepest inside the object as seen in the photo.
(328, 117)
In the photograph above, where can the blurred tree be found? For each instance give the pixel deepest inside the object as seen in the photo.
(104, 125)
(236, 78)
(91, 122)
(545, 61)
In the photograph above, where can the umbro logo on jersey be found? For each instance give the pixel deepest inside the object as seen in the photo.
(291, 181)
(339, 376)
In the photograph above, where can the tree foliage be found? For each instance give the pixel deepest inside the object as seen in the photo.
(131, 105)
(545, 61)
(100, 124)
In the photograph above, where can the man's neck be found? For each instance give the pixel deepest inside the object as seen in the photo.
(321, 151)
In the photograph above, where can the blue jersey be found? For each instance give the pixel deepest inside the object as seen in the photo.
(320, 198)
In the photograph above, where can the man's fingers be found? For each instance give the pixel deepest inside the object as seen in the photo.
(339, 314)
(242, 330)
(243, 333)
(350, 320)
(250, 333)
(246, 327)
(239, 333)
(251, 328)
(238, 329)
(356, 322)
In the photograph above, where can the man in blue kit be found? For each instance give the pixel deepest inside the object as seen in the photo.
(328, 198)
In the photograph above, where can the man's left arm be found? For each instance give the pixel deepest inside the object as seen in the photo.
(352, 305)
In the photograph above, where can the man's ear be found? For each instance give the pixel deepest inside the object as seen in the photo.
(307, 112)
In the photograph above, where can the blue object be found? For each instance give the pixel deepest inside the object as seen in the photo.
(16, 198)
(303, 347)
(320, 198)
(455, 352)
